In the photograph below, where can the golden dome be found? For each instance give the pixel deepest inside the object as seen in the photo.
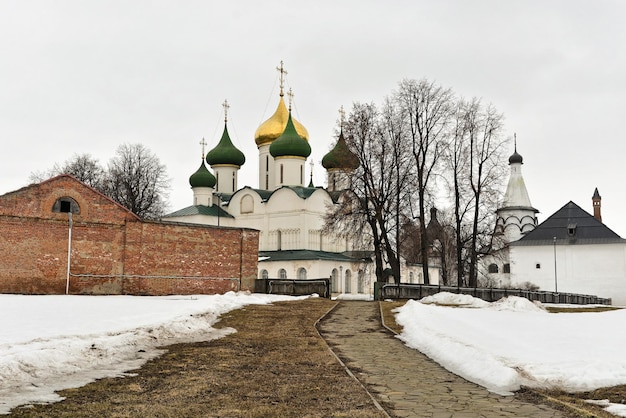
(275, 126)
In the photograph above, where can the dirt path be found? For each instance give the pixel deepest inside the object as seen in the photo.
(274, 366)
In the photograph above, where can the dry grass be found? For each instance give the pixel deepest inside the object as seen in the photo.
(275, 365)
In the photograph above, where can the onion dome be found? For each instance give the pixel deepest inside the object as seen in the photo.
(340, 157)
(275, 126)
(225, 152)
(516, 158)
(202, 178)
(290, 143)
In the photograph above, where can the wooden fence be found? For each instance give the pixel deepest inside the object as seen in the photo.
(418, 291)
(293, 287)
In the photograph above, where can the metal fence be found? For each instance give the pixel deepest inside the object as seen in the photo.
(418, 291)
(293, 287)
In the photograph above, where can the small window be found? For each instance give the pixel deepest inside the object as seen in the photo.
(571, 230)
(507, 268)
(493, 268)
(538, 266)
(65, 205)
(360, 282)
(334, 285)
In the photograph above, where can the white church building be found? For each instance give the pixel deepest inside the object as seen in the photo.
(288, 213)
(571, 251)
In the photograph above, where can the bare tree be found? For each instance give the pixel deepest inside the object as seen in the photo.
(474, 160)
(427, 108)
(82, 166)
(137, 180)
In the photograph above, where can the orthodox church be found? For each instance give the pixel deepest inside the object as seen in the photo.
(571, 251)
(288, 213)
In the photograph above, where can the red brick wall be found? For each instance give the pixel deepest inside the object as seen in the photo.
(107, 240)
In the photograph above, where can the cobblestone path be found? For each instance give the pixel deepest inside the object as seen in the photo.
(404, 381)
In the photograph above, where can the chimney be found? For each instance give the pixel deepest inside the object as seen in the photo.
(597, 205)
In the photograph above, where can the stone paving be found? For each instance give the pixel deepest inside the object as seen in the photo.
(404, 381)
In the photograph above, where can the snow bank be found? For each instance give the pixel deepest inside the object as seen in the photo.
(511, 343)
(58, 342)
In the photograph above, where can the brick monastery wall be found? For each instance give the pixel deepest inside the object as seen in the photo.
(114, 252)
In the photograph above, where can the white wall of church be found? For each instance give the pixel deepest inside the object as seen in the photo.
(346, 277)
(598, 269)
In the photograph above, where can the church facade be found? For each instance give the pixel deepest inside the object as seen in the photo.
(288, 212)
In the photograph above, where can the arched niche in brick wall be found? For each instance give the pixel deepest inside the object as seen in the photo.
(66, 204)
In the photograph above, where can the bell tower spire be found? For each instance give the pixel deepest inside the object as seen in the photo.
(516, 216)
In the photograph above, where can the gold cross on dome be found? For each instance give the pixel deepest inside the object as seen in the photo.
(226, 106)
(282, 72)
(203, 143)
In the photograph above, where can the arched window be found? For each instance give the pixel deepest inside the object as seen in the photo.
(348, 282)
(279, 238)
(217, 181)
(66, 204)
(360, 285)
(234, 181)
(264, 274)
(301, 273)
(247, 204)
(493, 268)
(334, 283)
(282, 274)
(410, 277)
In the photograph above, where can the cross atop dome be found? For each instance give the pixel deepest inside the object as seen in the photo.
(342, 117)
(204, 144)
(283, 73)
(226, 106)
(290, 94)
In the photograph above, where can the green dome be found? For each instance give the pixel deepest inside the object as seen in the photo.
(290, 143)
(202, 178)
(340, 156)
(225, 152)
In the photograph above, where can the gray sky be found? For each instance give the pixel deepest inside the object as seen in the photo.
(87, 76)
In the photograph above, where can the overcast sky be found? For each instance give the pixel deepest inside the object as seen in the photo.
(87, 76)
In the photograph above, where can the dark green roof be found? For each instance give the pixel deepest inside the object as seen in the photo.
(225, 152)
(290, 255)
(290, 144)
(213, 210)
(340, 156)
(202, 177)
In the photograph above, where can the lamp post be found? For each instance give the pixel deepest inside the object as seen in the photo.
(69, 254)
(556, 288)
